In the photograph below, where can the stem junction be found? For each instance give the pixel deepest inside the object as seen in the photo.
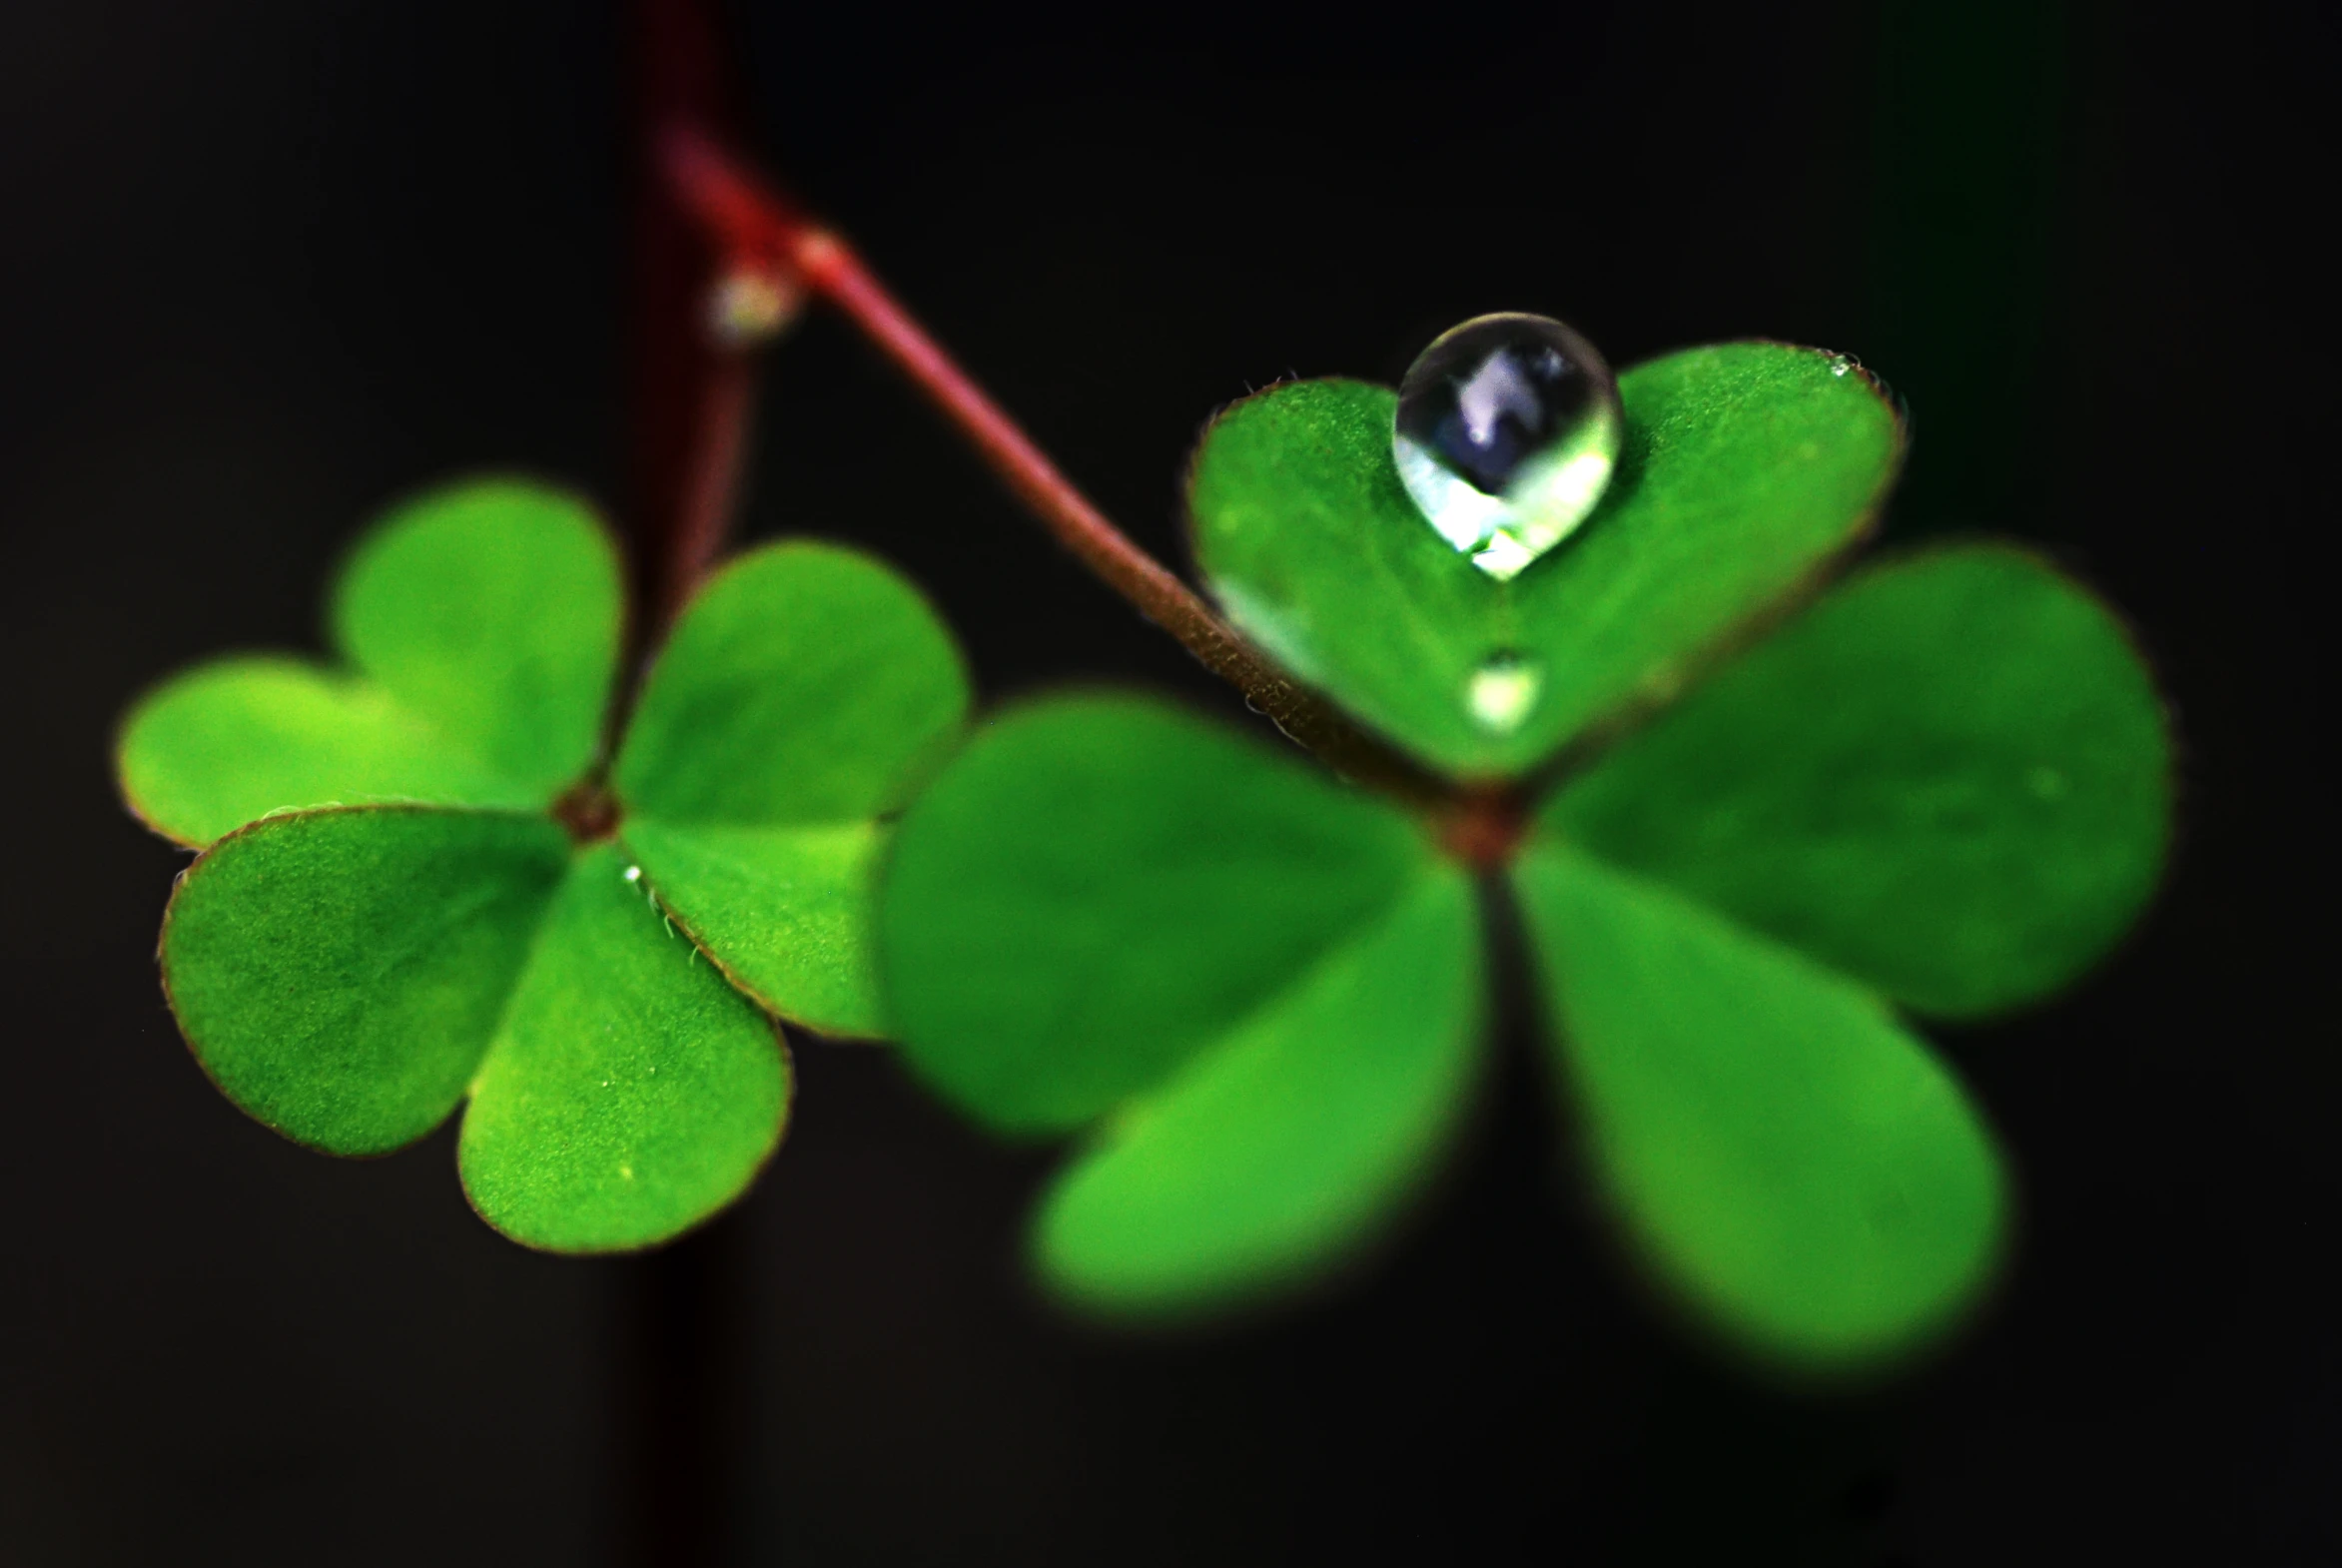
(765, 235)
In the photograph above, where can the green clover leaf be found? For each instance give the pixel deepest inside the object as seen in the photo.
(1745, 468)
(1269, 980)
(415, 889)
(1257, 991)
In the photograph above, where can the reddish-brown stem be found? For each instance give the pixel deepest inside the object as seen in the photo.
(681, 1381)
(706, 489)
(691, 392)
(761, 229)
(1482, 825)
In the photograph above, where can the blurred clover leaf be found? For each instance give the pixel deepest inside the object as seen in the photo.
(1750, 843)
(429, 876)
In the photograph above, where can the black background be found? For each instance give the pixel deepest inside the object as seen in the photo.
(266, 265)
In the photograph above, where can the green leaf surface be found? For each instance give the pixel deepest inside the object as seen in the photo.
(805, 683)
(1950, 778)
(1745, 467)
(629, 1093)
(1098, 888)
(340, 974)
(788, 912)
(230, 741)
(1799, 1166)
(1283, 1146)
(491, 610)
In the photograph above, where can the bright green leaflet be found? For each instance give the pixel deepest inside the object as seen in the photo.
(348, 976)
(629, 1090)
(234, 740)
(806, 690)
(1283, 1148)
(491, 610)
(484, 623)
(795, 907)
(1098, 888)
(1950, 778)
(1798, 1166)
(1746, 468)
(340, 974)
(805, 683)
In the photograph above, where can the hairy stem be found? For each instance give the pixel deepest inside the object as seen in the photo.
(762, 229)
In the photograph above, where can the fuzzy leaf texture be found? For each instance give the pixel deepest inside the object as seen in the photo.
(389, 920)
(805, 695)
(480, 624)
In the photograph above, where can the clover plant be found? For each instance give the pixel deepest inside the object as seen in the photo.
(1571, 644)
(436, 874)
(1752, 825)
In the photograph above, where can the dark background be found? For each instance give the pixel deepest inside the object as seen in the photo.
(266, 265)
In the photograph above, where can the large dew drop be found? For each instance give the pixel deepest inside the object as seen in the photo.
(1508, 428)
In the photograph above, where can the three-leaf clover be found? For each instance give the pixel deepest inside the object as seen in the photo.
(432, 875)
(1942, 789)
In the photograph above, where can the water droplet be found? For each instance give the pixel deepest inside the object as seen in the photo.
(1508, 428)
(1839, 364)
(1504, 690)
(633, 873)
(747, 307)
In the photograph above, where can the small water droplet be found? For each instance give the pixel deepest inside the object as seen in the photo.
(747, 307)
(1839, 364)
(633, 873)
(1508, 428)
(1504, 690)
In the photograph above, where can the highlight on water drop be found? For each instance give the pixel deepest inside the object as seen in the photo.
(1507, 432)
(1503, 691)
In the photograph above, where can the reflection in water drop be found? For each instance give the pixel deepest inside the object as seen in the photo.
(1508, 427)
(1504, 690)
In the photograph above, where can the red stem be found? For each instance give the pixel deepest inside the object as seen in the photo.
(691, 392)
(706, 491)
(681, 1381)
(762, 230)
